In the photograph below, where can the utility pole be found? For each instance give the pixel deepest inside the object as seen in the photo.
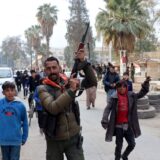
(122, 62)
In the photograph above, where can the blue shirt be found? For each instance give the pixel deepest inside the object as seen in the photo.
(130, 86)
(13, 122)
(37, 100)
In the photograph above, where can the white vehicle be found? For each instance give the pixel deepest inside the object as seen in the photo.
(6, 74)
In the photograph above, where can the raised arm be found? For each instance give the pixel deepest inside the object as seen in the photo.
(144, 89)
(55, 106)
(90, 78)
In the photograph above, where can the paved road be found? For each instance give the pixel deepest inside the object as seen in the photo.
(95, 148)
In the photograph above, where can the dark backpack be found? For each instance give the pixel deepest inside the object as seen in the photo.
(49, 121)
(49, 124)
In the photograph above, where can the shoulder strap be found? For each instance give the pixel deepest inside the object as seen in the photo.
(50, 90)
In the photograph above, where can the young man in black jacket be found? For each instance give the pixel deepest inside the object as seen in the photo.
(18, 81)
(120, 117)
(34, 81)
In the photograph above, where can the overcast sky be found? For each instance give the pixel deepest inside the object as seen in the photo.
(17, 15)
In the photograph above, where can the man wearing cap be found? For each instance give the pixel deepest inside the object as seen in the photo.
(120, 117)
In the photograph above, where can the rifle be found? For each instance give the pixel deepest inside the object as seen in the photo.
(30, 115)
(75, 105)
(81, 46)
(89, 54)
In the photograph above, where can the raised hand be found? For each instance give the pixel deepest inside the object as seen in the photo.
(80, 55)
(148, 78)
(74, 84)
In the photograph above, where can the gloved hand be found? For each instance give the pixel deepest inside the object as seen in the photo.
(104, 124)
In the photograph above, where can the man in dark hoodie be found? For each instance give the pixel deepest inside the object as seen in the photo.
(120, 117)
(18, 81)
(25, 83)
(110, 79)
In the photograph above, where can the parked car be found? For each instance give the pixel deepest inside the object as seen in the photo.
(6, 74)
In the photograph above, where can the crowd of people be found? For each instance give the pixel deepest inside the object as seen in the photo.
(58, 110)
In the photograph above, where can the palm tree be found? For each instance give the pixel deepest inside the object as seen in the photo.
(122, 23)
(149, 3)
(157, 16)
(34, 39)
(28, 36)
(47, 17)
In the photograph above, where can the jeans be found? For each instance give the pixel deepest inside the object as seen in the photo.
(25, 90)
(10, 152)
(129, 136)
(109, 94)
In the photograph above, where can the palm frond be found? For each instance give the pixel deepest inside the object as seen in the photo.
(122, 22)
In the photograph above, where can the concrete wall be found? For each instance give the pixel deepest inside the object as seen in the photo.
(155, 55)
(153, 70)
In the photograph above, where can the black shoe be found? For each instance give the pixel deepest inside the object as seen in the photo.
(117, 158)
(88, 108)
(124, 158)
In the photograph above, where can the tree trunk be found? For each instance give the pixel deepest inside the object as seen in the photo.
(31, 54)
(47, 50)
(36, 56)
(110, 52)
(31, 61)
(44, 58)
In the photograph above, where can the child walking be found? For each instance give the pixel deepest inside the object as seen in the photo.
(13, 123)
(120, 117)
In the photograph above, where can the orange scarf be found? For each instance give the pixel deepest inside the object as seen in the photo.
(47, 81)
